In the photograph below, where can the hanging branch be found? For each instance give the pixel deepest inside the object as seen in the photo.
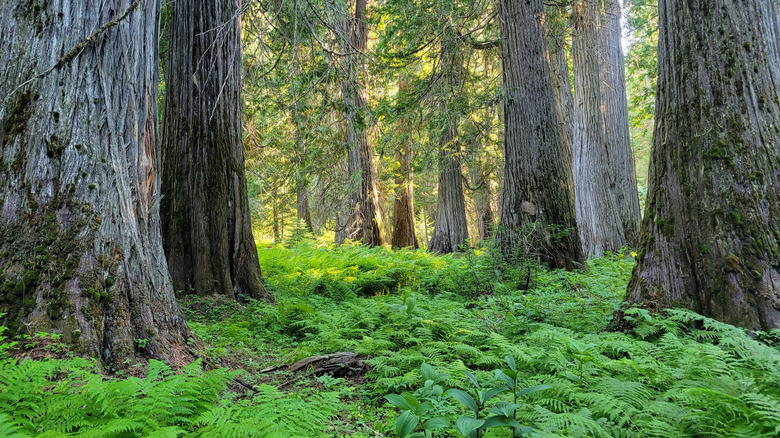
(78, 48)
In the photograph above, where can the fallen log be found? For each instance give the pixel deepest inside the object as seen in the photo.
(339, 364)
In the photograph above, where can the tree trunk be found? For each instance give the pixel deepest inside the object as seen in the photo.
(621, 157)
(598, 217)
(481, 173)
(537, 195)
(555, 30)
(483, 196)
(80, 250)
(450, 229)
(207, 227)
(404, 235)
(711, 231)
(302, 198)
(365, 222)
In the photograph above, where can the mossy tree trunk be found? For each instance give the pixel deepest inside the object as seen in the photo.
(365, 223)
(450, 229)
(711, 232)
(538, 196)
(80, 246)
(207, 227)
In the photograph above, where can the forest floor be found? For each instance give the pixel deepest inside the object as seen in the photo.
(426, 328)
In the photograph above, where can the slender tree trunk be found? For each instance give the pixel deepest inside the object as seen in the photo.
(365, 221)
(450, 230)
(207, 227)
(538, 195)
(404, 235)
(711, 231)
(275, 215)
(483, 195)
(615, 105)
(481, 173)
(80, 251)
(302, 198)
(425, 228)
(598, 218)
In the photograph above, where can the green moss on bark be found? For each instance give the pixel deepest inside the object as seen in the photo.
(15, 123)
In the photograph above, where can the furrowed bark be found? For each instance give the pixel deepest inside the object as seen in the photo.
(404, 235)
(598, 218)
(365, 222)
(711, 232)
(537, 212)
(615, 107)
(207, 227)
(450, 229)
(80, 246)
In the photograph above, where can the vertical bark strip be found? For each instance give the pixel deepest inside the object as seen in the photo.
(80, 246)
(711, 232)
(538, 192)
(207, 227)
(365, 222)
(598, 218)
(450, 229)
(615, 107)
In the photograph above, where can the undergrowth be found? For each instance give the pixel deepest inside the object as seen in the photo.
(70, 397)
(675, 375)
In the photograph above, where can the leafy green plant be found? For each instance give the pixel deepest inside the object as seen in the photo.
(429, 409)
(426, 407)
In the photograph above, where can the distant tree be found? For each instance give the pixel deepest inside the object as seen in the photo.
(711, 230)
(601, 228)
(206, 224)
(80, 246)
(538, 194)
(615, 108)
(450, 228)
(364, 223)
(404, 235)
(604, 173)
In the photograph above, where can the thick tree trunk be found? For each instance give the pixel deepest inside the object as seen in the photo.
(711, 231)
(80, 250)
(450, 229)
(615, 105)
(555, 29)
(598, 217)
(538, 195)
(365, 222)
(404, 235)
(207, 227)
